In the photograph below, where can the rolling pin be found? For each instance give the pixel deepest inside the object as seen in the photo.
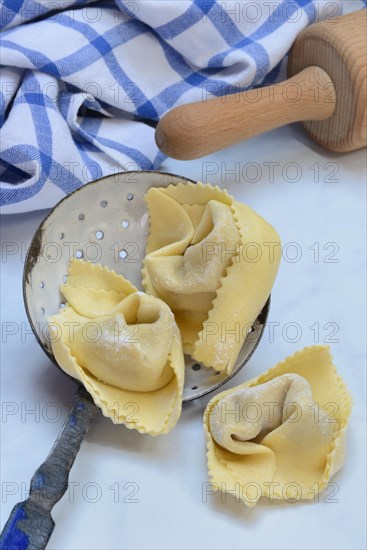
(326, 91)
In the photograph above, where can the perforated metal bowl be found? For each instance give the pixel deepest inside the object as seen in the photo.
(106, 221)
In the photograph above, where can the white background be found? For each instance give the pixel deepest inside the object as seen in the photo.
(170, 471)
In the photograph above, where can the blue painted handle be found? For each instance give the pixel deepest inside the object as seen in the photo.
(30, 524)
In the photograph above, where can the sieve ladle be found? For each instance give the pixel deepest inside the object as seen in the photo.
(105, 221)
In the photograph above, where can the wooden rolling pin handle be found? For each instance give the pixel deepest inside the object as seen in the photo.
(197, 129)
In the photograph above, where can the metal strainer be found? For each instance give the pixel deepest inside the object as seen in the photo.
(106, 221)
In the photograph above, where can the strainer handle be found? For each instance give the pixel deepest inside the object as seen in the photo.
(30, 524)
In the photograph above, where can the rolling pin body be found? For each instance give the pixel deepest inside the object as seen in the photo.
(339, 46)
(326, 90)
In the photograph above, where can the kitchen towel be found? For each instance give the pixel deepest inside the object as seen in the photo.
(84, 82)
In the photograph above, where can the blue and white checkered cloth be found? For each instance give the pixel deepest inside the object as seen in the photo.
(83, 82)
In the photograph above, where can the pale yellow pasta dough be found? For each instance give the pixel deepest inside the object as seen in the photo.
(123, 345)
(214, 262)
(282, 434)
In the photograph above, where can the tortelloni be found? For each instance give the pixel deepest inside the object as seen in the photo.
(281, 435)
(123, 345)
(214, 262)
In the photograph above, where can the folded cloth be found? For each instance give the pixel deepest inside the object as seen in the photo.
(84, 82)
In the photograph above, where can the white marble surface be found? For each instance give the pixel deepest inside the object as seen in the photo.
(325, 206)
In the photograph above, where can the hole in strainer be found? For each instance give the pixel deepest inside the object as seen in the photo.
(125, 224)
(196, 366)
(42, 310)
(122, 254)
(81, 217)
(79, 254)
(61, 236)
(218, 372)
(130, 196)
(42, 284)
(103, 204)
(194, 388)
(99, 234)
